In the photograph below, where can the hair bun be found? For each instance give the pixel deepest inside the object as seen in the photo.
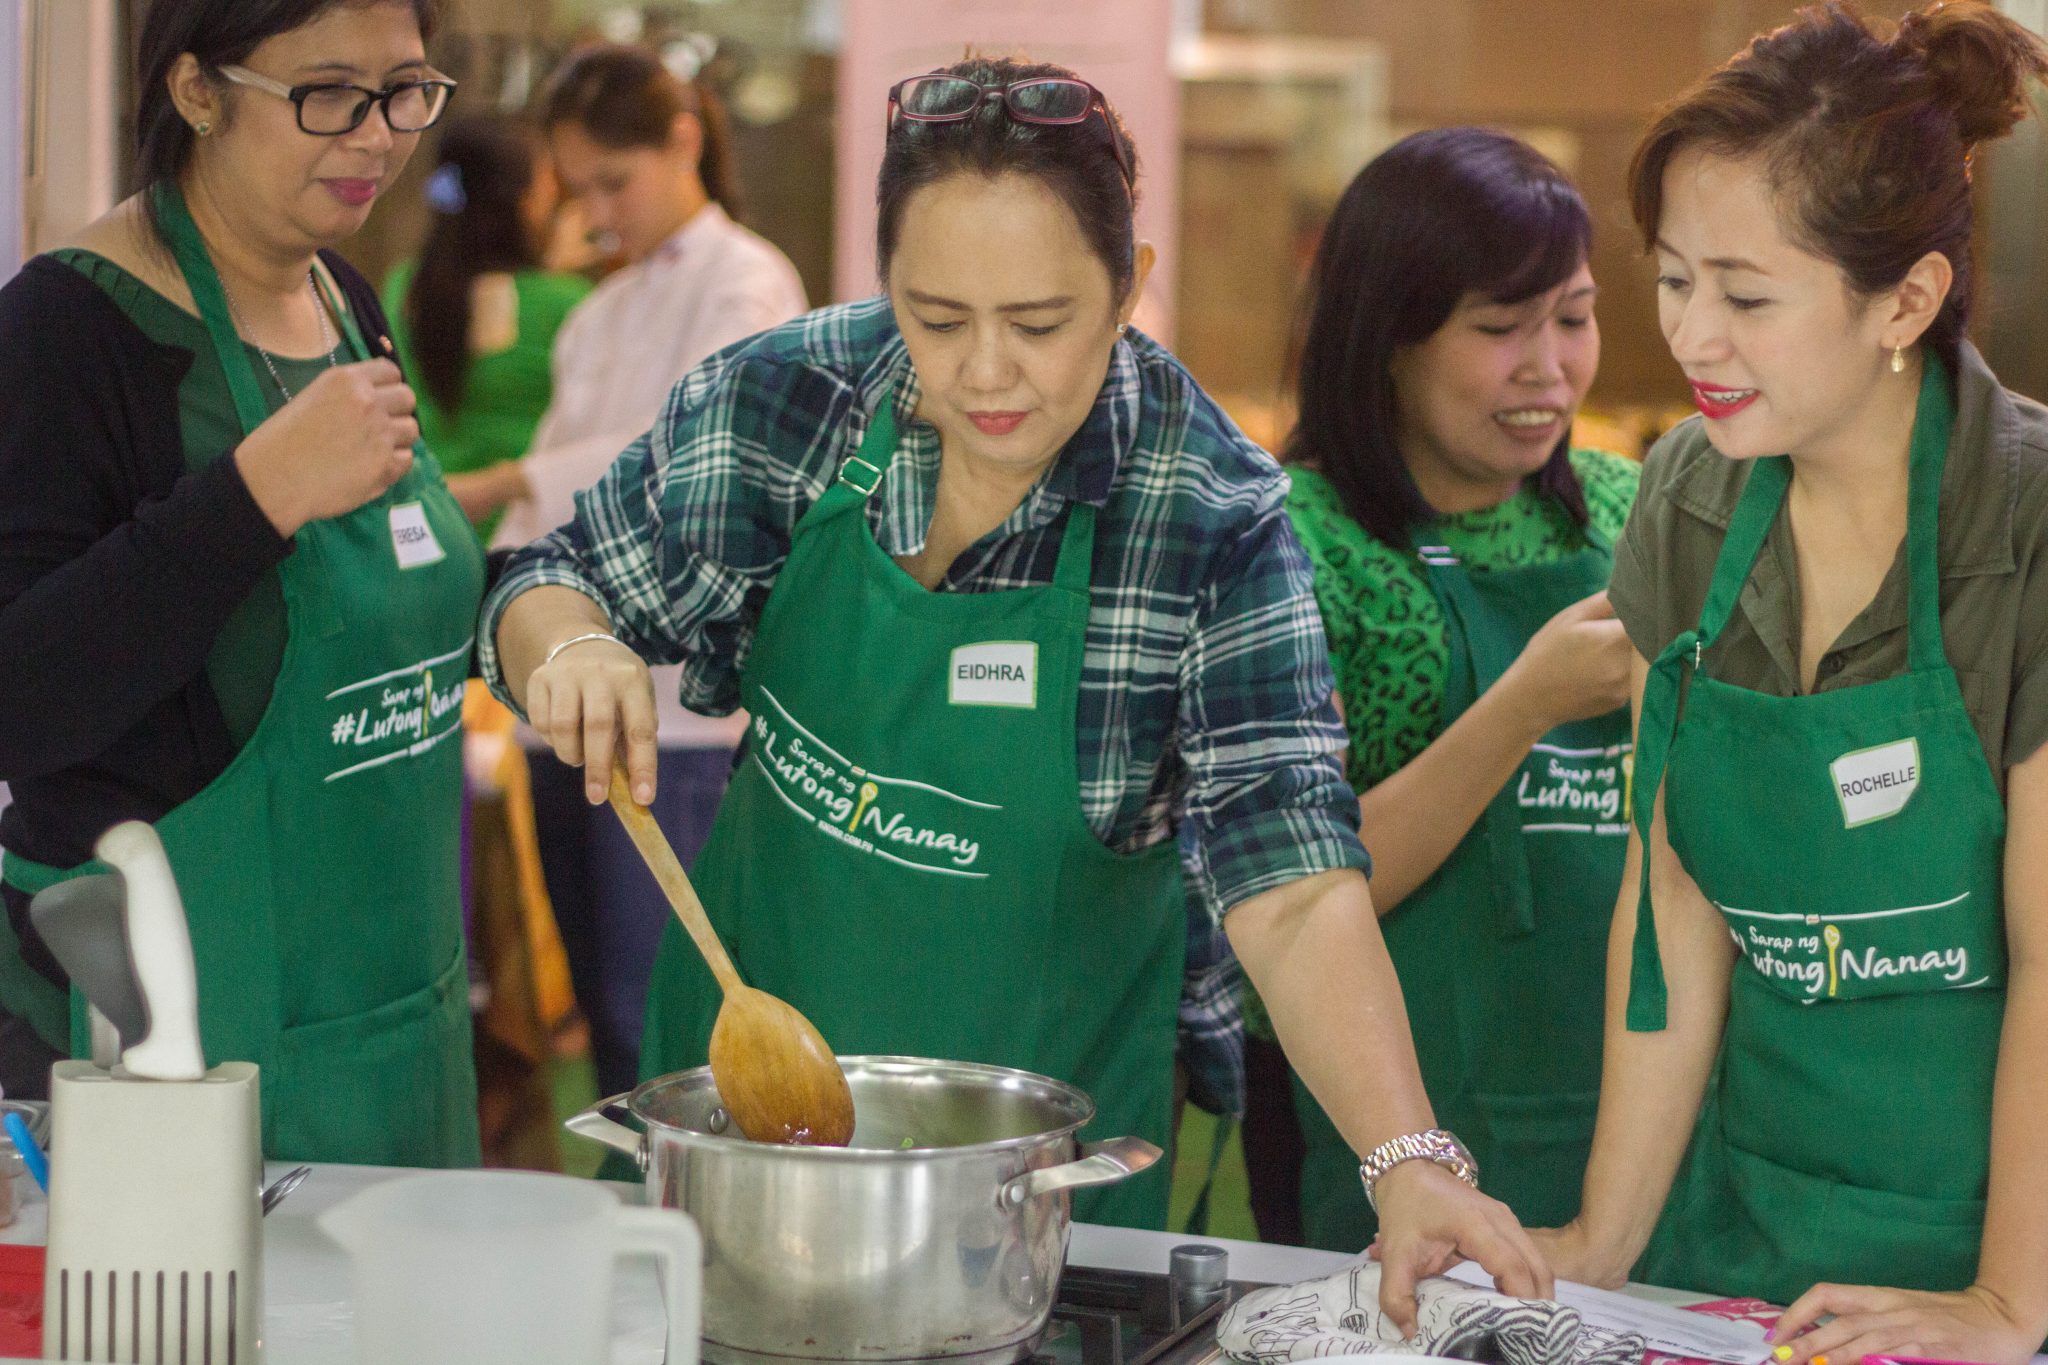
(1979, 63)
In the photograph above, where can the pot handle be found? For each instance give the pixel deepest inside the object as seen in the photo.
(1101, 1163)
(592, 1123)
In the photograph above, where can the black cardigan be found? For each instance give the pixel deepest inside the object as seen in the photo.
(118, 569)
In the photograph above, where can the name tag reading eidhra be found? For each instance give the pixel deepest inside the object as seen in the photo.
(994, 673)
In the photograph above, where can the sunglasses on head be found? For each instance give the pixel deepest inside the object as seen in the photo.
(1056, 101)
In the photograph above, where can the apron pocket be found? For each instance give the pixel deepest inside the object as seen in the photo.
(1906, 1241)
(1755, 1227)
(392, 1086)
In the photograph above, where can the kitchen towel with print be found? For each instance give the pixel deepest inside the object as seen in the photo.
(1340, 1316)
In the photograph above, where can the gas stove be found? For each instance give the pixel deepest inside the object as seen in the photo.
(1131, 1317)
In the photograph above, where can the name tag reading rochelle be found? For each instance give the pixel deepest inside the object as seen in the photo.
(994, 673)
(412, 539)
(1878, 782)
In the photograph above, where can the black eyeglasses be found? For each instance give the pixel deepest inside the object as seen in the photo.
(1054, 100)
(332, 109)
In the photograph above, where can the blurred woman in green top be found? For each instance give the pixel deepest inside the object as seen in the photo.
(1461, 552)
(476, 315)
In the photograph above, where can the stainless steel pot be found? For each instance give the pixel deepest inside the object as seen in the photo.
(939, 1233)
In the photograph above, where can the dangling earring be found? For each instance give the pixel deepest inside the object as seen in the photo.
(202, 128)
(1898, 360)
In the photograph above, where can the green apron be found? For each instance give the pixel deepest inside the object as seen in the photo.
(1846, 1132)
(321, 871)
(1502, 952)
(902, 854)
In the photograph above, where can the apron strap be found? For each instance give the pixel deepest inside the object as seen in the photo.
(252, 405)
(1076, 569)
(1658, 723)
(207, 293)
(1514, 894)
(1500, 823)
(862, 472)
(1933, 420)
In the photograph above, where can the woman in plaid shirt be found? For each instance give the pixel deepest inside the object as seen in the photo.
(1011, 602)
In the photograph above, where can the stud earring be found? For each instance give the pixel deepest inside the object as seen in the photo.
(202, 128)
(1898, 360)
(1123, 328)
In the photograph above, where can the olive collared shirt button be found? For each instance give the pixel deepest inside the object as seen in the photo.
(1830, 665)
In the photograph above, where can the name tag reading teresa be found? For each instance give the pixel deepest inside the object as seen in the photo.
(994, 673)
(1878, 782)
(412, 539)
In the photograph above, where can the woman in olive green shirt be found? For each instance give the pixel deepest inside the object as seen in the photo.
(475, 317)
(1835, 953)
(1460, 546)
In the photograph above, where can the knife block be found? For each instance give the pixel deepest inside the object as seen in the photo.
(155, 1217)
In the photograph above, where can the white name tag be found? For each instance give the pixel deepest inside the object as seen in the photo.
(1878, 782)
(412, 540)
(994, 673)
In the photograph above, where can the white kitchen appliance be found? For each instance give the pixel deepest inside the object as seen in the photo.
(155, 1247)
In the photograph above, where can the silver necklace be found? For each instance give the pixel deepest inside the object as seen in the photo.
(319, 309)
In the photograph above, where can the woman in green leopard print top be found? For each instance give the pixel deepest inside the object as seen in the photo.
(1460, 549)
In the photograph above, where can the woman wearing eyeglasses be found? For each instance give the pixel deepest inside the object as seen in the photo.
(235, 598)
(1010, 602)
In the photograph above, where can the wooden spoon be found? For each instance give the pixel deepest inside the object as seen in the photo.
(778, 1079)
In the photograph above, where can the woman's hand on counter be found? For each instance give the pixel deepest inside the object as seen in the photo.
(594, 698)
(1973, 1324)
(340, 442)
(1430, 1220)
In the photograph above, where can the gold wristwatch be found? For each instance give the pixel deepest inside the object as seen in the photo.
(1433, 1145)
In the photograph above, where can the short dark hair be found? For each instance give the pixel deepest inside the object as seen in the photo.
(1077, 162)
(483, 171)
(219, 33)
(1866, 140)
(626, 97)
(1438, 215)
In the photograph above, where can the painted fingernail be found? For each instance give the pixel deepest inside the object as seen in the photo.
(1783, 1352)
(1770, 1334)
(1820, 1360)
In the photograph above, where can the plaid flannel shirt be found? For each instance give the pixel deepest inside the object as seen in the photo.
(1205, 691)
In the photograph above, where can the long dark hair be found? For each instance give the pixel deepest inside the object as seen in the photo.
(624, 97)
(485, 168)
(1075, 161)
(1438, 215)
(1868, 139)
(219, 33)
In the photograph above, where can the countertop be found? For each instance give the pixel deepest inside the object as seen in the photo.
(308, 1318)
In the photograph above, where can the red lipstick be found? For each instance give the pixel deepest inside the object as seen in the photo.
(1719, 403)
